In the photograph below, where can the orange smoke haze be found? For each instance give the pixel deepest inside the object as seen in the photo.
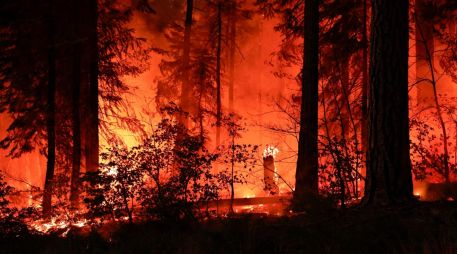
(257, 91)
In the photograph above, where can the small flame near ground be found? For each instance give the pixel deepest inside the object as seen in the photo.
(59, 224)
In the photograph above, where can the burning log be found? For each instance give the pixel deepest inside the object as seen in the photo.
(269, 170)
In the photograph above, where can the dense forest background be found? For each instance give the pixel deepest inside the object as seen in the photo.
(258, 90)
(118, 110)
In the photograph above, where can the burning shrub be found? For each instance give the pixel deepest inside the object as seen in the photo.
(340, 167)
(11, 219)
(178, 170)
(6, 213)
(427, 155)
(112, 189)
(235, 156)
(169, 175)
(238, 161)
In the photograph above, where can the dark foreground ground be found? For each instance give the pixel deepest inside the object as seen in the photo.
(419, 228)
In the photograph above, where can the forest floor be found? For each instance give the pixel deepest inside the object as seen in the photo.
(417, 228)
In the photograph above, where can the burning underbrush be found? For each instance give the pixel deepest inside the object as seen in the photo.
(172, 176)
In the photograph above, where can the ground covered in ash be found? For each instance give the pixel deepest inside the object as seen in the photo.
(418, 228)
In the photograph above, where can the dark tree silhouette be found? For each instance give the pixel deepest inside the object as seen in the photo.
(424, 43)
(232, 36)
(109, 51)
(92, 124)
(23, 75)
(306, 176)
(218, 73)
(202, 69)
(46, 85)
(50, 113)
(186, 88)
(76, 105)
(389, 178)
(365, 85)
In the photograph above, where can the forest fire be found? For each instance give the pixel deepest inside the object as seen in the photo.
(57, 225)
(270, 151)
(270, 173)
(126, 123)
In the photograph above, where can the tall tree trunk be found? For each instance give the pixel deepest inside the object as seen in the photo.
(364, 107)
(186, 88)
(76, 122)
(424, 42)
(232, 48)
(389, 179)
(51, 118)
(92, 138)
(306, 176)
(76, 154)
(201, 110)
(201, 115)
(218, 74)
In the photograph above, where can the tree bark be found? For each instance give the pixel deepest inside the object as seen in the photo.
(364, 107)
(76, 122)
(76, 153)
(92, 131)
(51, 118)
(232, 48)
(186, 89)
(306, 177)
(218, 74)
(389, 179)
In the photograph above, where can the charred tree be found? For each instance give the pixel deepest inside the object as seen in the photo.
(76, 105)
(389, 178)
(269, 175)
(186, 88)
(76, 128)
(364, 107)
(218, 74)
(306, 176)
(92, 126)
(50, 115)
(232, 48)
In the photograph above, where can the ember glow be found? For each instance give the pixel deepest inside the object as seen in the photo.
(58, 225)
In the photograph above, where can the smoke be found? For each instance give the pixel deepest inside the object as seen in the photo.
(256, 88)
